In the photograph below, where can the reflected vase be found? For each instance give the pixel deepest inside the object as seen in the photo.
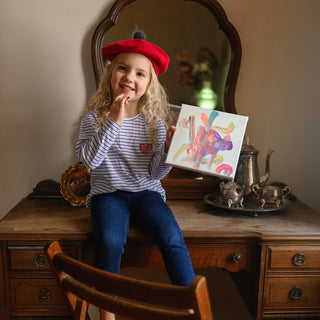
(206, 98)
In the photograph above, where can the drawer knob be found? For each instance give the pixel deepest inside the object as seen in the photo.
(299, 259)
(295, 293)
(39, 260)
(237, 257)
(44, 294)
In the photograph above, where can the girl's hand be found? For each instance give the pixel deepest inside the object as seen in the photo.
(170, 133)
(117, 110)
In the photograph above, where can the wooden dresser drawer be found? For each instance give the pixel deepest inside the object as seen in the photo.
(298, 257)
(36, 294)
(28, 258)
(232, 258)
(292, 292)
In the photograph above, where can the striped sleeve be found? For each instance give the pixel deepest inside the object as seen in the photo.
(94, 142)
(158, 168)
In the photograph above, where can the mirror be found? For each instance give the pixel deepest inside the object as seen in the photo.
(178, 26)
(194, 33)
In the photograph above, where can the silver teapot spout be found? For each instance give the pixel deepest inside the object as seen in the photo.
(247, 173)
(265, 177)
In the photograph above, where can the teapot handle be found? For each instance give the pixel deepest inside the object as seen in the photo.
(255, 188)
(285, 191)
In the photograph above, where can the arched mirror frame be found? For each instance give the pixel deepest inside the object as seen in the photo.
(176, 187)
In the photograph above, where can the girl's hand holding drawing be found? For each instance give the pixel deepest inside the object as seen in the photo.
(170, 133)
(117, 109)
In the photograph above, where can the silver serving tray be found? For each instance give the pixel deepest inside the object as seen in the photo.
(251, 205)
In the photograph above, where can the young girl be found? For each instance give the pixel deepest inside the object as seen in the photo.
(123, 139)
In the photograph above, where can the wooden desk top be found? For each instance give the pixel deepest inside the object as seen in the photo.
(45, 218)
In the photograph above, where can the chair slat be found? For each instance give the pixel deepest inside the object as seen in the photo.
(122, 286)
(135, 299)
(123, 307)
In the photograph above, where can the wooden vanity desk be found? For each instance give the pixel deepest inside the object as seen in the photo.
(274, 258)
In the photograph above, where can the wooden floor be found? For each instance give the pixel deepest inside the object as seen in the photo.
(226, 301)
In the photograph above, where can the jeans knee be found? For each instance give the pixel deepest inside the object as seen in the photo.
(171, 241)
(109, 245)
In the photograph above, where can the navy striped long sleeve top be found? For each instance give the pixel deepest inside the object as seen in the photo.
(122, 157)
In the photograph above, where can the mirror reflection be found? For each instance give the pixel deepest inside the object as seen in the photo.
(200, 52)
(80, 184)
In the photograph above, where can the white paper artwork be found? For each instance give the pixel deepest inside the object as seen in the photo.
(207, 141)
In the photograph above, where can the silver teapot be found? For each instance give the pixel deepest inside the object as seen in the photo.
(247, 173)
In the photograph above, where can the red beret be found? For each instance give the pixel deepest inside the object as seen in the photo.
(157, 56)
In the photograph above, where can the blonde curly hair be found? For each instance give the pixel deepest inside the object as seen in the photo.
(153, 105)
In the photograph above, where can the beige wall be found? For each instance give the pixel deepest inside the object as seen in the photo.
(46, 80)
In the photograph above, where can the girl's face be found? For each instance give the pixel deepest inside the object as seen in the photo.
(131, 76)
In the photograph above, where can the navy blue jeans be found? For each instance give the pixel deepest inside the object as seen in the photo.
(112, 214)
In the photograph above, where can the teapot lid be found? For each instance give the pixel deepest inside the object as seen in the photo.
(247, 148)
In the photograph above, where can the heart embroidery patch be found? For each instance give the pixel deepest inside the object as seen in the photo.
(146, 147)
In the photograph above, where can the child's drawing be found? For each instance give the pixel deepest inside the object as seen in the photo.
(208, 141)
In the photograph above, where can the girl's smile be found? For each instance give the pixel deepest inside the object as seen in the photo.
(126, 88)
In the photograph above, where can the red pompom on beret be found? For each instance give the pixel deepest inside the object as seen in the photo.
(156, 55)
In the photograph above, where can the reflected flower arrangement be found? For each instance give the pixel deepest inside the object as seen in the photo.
(195, 72)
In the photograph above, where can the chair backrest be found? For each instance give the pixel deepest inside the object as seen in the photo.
(134, 299)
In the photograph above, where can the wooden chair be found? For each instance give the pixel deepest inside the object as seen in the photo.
(135, 299)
